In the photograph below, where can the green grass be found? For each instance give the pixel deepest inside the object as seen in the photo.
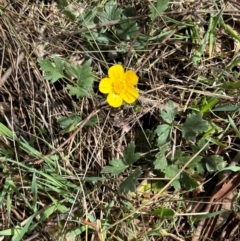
(73, 167)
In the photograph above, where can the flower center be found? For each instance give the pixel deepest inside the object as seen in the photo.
(118, 86)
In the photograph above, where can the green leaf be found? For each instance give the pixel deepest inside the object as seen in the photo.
(6, 131)
(127, 30)
(233, 125)
(85, 79)
(94, 120)
(79, 92)
(117, 166)
(53, 71)
(208, 215)
(165, 213)
(129, 154)
(67, 121)
(129, 12)
(112, 12)
(231, 108)
(231, 168)
(169, 112)
(19, 233)
(215, 163)
(212, 34)
(161, 161)
(63, 7)
(170, 172)
(188, 182)
(200, 144)
(193, 125)
(198, 165)
(129, 184)
(231, 85)
(208, 105)
(161, 6)
(87, 18)
(163, 132)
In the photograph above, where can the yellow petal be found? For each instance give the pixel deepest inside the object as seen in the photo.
(105, 85)
(131, 77)
(114, 100)
(130, 95)
(116, 72)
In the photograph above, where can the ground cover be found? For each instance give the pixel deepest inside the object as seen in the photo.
(119, 120)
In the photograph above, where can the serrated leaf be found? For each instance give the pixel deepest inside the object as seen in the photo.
(69, 123)
(198, 165)
(163, 132)
(96, 119)
(129, 154)
(215, 163)
(117, 166)
(128, 30)
(112, 12)
(87, 18)
(169, 112)
(188, 182)
(161, 161)
(194, 125)
(85, 79)
(161, 6)
(130, 183)
(79, 92)
(200, 144)
(181, 158)
(170, 172)
(53, 71)
(66, 121)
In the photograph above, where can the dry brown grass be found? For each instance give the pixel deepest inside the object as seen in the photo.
(30, 106)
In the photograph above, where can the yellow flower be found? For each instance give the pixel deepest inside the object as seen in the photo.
(119, 86)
